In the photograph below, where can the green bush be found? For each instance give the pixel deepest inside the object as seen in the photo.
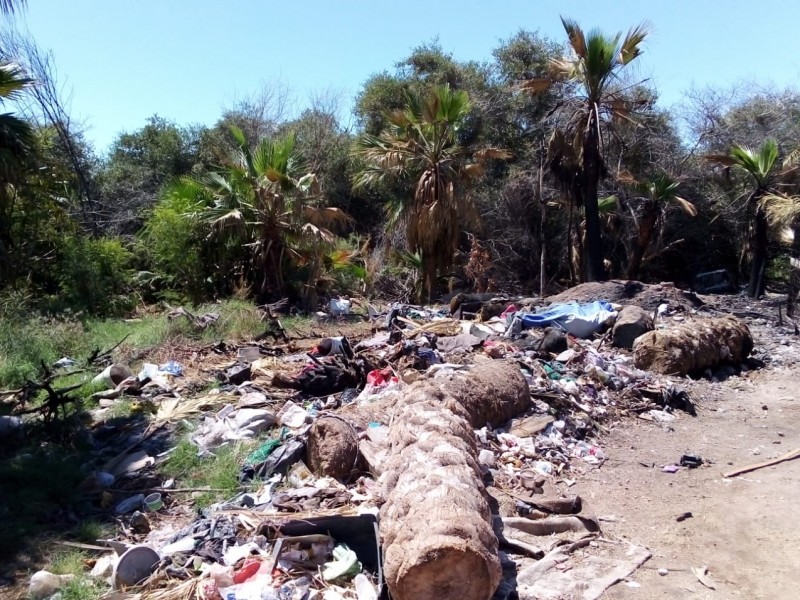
(172, 245)
(94, 276)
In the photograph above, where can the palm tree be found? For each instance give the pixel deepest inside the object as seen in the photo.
(420, 150)
(17, 148)
(259, 199)
(595, 67)
(783, 213)
(760, 164)
(658, 195)
(17, 139)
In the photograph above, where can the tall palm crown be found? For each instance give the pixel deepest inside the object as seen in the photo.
(420, 148)
(577, 160)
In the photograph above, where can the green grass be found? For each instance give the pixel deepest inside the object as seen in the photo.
(28, 340)
(88, 532)
(68, 562)
(83, 587)
(219, 472)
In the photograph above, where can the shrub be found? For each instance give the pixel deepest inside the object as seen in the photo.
(93, 276)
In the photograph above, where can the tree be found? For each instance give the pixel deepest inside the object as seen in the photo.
(658, 195)
(17, 147)
(139, 164)
(46, 105)
(261, 200)
(420, 147)
(595, 67)
(760, 164)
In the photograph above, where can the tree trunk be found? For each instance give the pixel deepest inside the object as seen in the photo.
(794, 275)
(759, 254)
(644, 237)
(492, 393)
(591, 179)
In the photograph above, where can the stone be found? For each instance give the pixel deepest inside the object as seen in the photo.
(632, 322)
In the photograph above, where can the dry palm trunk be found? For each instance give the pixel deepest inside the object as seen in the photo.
(693, 347)
(436, 523)
(492, 393)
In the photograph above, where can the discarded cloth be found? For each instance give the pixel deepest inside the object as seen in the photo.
(581, 320)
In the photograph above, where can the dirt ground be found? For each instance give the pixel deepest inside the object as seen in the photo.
(744, 529)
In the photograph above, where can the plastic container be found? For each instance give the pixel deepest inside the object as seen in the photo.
(153, 502)
(135, 565)
(359, 533)
(129, 504)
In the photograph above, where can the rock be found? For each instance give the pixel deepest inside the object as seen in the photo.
(632, 322)
(44, 584)
(140, 523)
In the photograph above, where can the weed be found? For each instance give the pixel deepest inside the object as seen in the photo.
(219, 472)
(83, 588)
(89, 532)
(73, 562)
(68, 562)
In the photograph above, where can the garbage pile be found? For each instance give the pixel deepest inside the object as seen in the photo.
(463, 435)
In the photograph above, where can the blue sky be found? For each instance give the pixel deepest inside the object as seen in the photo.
(186, 59)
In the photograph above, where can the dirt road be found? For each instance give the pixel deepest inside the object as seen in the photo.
(746, 530)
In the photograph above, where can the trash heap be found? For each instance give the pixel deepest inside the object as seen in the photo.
(455, 432)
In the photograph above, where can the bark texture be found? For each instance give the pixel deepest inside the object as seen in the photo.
(693, 347)
(492, 393)
(436, 523)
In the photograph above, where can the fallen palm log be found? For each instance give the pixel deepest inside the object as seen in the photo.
(492, 393)
(693, 347)
(436, 522)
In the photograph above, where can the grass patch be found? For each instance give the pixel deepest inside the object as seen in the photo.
(68, 562)
(28, 340)
(83, 587)
(219, 472)
(88, 532)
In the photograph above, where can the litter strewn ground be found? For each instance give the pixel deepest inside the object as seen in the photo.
(544, 469)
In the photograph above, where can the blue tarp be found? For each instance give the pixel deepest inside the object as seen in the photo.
(581, 320)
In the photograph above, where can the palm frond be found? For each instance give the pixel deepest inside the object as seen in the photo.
(631, 45)
(486, 154)
(536, 85)
(781, 210)
(792, 159)
(757, 162)
(577, 39)
(689, 208)
(13, 81)
(607, 205)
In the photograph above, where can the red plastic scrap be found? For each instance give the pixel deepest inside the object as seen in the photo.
(248, 570)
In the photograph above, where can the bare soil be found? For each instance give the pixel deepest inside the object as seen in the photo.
(744, 529)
